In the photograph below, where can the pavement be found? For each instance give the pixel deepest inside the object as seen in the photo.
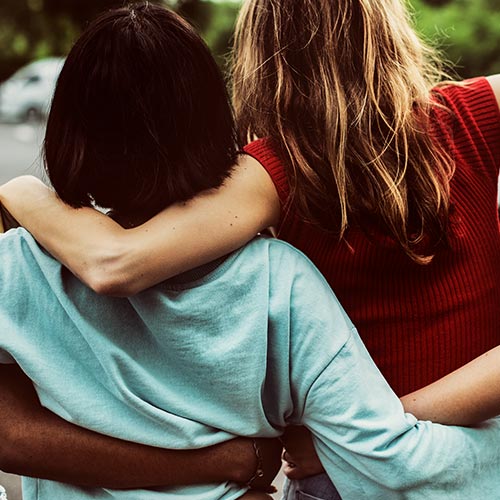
(12, 485)
(20, 150)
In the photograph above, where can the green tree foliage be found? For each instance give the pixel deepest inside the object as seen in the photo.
(466, 31)
(31, 29)
(215, 21)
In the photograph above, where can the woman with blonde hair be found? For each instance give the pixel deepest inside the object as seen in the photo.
(385, 177)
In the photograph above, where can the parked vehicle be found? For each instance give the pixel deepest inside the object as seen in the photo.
(27, 94)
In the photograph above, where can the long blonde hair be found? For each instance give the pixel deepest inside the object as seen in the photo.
(343, 88)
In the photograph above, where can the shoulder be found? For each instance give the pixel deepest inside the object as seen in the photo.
(469, 118)
(279, 253)
(266, 153)
(465, 89)
(263, 149)
(475, 97)
(289, 268)
(16, 240)
(280, 260)
(21, 256)
(494, 81)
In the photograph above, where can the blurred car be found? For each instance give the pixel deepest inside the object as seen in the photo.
(27, 94)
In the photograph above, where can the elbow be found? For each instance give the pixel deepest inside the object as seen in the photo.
(400, 483)
(119, 269)
(113, 287)
(5, 458)
(411, 475)
(110, 272)
(108, 282)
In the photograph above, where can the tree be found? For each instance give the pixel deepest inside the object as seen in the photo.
(30, 29)
(466, 31)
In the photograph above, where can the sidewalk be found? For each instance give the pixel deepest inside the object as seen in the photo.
(12, 484)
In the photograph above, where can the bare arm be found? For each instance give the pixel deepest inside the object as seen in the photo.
(35, 442)
(115, 261)
(465, 397)
(469, 394)
(494, 81)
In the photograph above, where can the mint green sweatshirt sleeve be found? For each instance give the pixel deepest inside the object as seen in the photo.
(258, 343)
(368, 445)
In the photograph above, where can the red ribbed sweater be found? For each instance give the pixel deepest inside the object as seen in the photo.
(421, 322)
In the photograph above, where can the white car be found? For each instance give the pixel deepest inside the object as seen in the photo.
(27, 94)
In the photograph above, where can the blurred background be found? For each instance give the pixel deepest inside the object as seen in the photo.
(35, 35)
(466, 31)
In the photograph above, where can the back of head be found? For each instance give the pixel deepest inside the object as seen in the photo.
(343, 86)
(140, 117)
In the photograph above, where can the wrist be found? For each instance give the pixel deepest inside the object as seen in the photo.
(259, 469)
(239, 460)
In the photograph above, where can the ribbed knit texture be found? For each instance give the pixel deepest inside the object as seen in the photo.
(421, 322)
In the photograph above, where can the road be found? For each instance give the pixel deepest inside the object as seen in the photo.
(20, 150)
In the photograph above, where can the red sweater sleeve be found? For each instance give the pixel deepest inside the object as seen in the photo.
(263, 151)
(471, 127)
(421, 322)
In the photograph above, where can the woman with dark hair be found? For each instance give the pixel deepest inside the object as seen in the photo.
(124, 108)
(363, 166)
(140, 120)
(365, 160)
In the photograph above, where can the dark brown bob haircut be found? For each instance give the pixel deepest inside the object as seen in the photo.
(140, 117)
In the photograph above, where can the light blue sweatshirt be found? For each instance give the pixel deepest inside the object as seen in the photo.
(259, 342)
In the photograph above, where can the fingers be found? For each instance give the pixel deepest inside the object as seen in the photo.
(294, 472)
(285, 456)
(290, 468)
(301, 467)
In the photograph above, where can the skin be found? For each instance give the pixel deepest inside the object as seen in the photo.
(468, 395)
(35, 442)
(123, 262)
(464, 397)
(114, 261)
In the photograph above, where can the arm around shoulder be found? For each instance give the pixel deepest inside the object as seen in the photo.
(115, 261)
(35, 442)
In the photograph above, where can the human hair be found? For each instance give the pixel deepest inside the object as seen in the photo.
(343, 88)
(140, 117)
